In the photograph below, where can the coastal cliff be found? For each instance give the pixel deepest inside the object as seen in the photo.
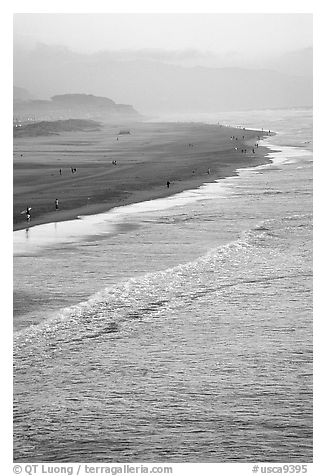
(76, 106)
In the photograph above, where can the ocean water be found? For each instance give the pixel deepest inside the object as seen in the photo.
(178, 329)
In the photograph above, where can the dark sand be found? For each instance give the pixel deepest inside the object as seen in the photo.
(153, 154)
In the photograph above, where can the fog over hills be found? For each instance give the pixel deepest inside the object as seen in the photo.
(154, 81)
(67, 106)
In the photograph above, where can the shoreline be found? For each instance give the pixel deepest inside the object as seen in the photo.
(185, 165)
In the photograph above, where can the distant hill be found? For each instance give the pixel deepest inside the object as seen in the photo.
(299, 63)
(46, 128)
(153, 86)
(80, 100)
(79, 106)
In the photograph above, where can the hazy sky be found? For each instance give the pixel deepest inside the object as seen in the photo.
(249, 34)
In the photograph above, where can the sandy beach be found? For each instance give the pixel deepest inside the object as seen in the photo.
(115, 169)
(161, 290)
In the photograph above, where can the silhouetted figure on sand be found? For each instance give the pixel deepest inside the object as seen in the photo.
(27, 213)
(168, 184)
(56, 202)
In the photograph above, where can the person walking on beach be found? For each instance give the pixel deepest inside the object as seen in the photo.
(60, 172)
(56, 204)
(27, 213)
(168, 184)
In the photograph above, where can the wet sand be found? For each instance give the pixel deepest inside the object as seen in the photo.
(154, 153)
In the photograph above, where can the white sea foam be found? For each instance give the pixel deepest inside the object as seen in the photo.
(32, 239)
(52, 234)
(227, 324)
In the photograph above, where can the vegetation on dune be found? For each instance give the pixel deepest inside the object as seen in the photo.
(55, 127)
